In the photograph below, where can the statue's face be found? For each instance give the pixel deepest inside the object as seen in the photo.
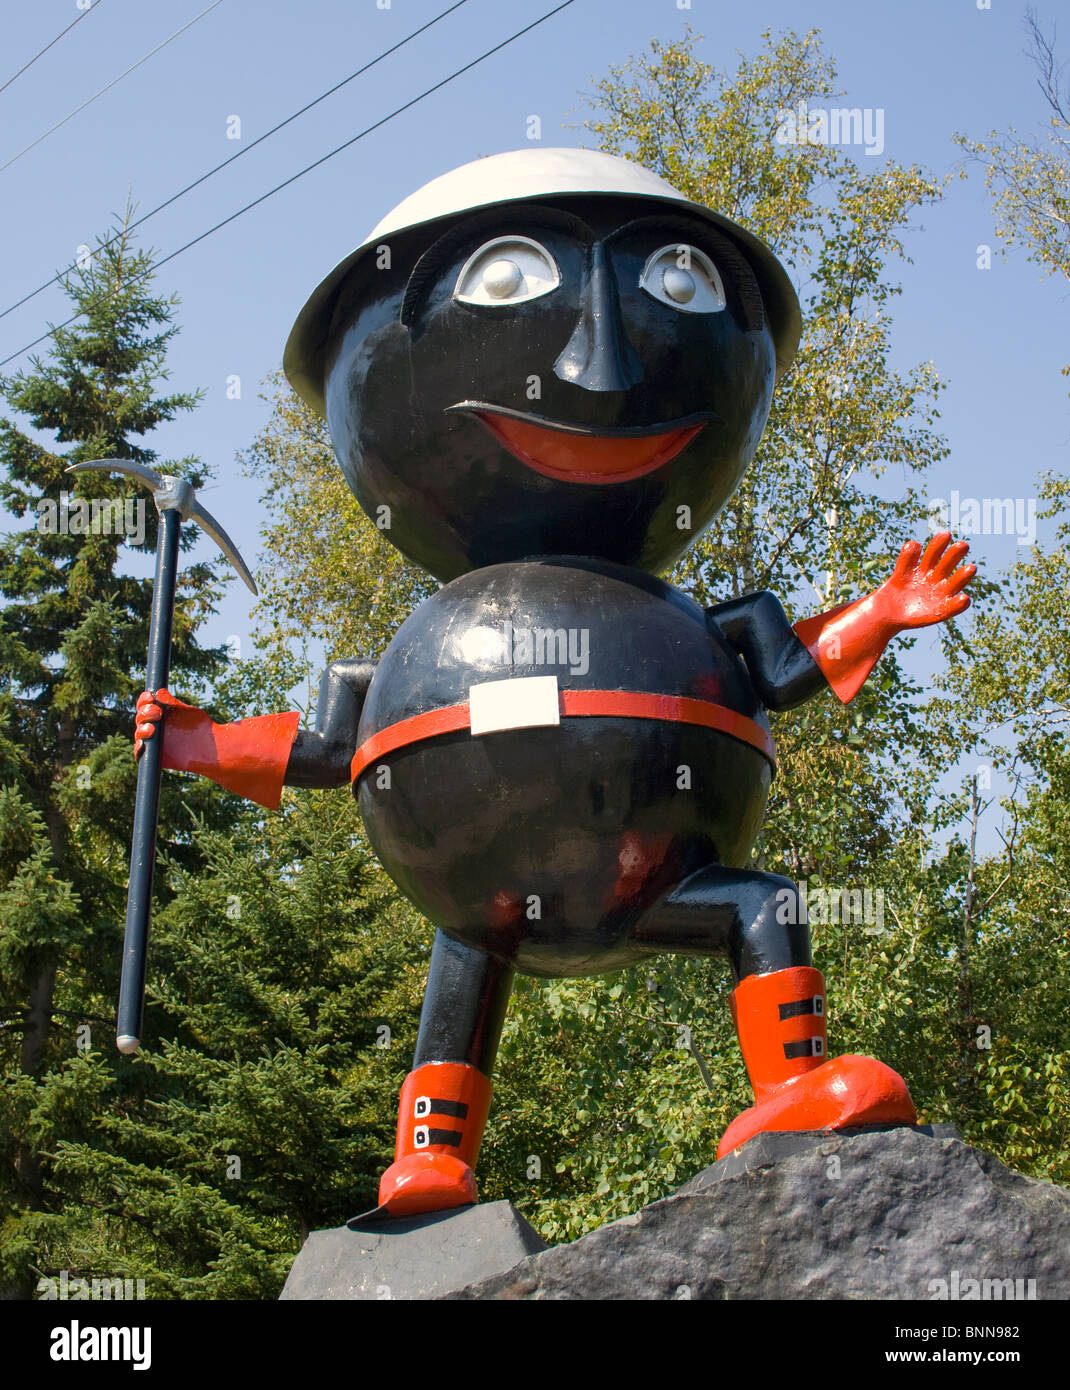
(587, 376)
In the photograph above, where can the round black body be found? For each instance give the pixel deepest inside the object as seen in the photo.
(544, 845)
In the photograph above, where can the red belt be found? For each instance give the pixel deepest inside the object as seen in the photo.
(620, 704)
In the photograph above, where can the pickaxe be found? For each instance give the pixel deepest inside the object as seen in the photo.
(176, 502)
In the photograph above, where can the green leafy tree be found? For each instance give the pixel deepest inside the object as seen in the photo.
(1008, 704)
(1028, 176)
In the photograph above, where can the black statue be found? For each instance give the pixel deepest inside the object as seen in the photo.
(552, 370)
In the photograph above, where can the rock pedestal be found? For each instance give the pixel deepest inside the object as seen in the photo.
(873, 1214)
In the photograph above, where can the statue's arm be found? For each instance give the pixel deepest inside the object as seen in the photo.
(782, 670)
(321, 757)
(839, 648)
(257, 757)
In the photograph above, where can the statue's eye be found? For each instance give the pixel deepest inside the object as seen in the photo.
(685, 278)
(507, 270)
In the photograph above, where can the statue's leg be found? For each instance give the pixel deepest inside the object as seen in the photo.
(778, 1005)
(446, 1097)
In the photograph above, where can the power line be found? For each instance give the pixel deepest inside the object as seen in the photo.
(309, 167)
(244, 150)
(108, 86)
(47, 46)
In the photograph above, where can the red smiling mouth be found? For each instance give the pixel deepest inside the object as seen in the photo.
(559, 451)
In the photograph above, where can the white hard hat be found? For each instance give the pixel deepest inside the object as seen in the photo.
(518, 176)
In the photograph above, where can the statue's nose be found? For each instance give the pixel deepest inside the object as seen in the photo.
(599, 356)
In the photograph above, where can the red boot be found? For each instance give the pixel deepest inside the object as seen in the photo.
(441, 1115)
(780, 1020)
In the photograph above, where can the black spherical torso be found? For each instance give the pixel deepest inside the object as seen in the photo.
(544, 845)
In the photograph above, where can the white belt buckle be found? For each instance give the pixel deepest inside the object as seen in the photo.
(522, 702)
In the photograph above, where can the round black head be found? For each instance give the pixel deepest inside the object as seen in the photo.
(581, 375)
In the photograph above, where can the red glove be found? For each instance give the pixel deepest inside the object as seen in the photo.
(248, 757)
(847, 641)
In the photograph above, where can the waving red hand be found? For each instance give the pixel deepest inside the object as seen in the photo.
(925, 587)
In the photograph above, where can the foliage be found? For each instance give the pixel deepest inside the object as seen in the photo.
(285, 1001)
(1028, 176)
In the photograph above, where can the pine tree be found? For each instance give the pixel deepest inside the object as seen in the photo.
(287, 979)
(284, 980)
(73, 637)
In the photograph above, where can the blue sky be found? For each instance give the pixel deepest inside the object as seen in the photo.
(933, 66)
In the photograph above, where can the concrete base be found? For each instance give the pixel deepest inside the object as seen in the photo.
(412, 1257)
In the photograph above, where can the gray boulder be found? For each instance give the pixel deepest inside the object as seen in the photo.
(878, 1214)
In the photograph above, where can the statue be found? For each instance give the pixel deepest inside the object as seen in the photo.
(544, 374)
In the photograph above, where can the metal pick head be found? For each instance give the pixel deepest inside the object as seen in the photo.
(155, 482)
(211, 527)
(171, 493)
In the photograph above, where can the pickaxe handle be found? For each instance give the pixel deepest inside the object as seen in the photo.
(175, 502)
(147, 800)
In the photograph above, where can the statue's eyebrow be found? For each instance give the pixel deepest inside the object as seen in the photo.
(693, 230)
